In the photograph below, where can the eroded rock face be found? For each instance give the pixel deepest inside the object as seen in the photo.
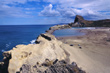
(4, 64)
(78, 18)
(81, 22)
(48, 47)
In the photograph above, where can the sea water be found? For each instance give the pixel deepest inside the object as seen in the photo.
(12, 35)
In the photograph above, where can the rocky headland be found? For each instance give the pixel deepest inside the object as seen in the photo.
(59, 55)
(81, 22)
(48, 55)
(57, 27)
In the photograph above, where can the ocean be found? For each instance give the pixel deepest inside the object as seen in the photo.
(12, 35)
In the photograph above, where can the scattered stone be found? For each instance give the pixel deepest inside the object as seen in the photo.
(108, 40)
(74, 64)
(58, 67)
(30, 53)
(71, 45)
(55, 61)
(80, 47)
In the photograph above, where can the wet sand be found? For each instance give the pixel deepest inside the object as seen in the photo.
(91, 51)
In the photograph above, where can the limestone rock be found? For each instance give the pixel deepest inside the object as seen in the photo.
(48, 47)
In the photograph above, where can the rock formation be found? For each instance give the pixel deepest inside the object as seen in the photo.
(52, 67)
(57, 27)
(25, 58)
(81, 22)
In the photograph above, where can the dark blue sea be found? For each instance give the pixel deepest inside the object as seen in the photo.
(12, 35)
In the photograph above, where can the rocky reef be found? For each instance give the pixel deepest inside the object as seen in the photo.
(81, 22)
(46, 56)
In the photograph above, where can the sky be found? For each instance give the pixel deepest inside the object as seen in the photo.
(40, 12)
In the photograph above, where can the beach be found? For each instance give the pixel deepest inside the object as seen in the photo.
(90, 51)
(86, 50)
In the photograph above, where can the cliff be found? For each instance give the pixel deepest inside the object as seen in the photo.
(46, 55)
(81, 22)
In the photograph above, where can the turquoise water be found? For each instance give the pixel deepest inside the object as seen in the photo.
(68, 32)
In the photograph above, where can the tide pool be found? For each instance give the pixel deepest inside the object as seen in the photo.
(67, 32)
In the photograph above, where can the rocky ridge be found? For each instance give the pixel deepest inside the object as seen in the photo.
(81, 22)
(57, 27)
(46, 56)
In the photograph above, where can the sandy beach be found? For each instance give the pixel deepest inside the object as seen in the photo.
(91, 51)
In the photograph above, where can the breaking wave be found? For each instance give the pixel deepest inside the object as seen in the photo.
(33, 41)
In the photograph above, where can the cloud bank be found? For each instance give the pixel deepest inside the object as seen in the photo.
(92, 9)
(55, 10)
(49, 12)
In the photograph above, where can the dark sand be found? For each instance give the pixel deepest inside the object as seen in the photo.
(91, 51)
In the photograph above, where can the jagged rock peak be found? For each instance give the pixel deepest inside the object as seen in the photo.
(78, 18)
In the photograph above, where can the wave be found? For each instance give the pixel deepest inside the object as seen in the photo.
(8, 45)
(33, 41)
(2, 50)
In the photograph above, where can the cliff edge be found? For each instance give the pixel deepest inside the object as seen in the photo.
(48, 53)
(81, 22)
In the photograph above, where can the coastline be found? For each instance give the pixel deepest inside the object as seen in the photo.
(40, 57)
(87, 53)
(90, 51)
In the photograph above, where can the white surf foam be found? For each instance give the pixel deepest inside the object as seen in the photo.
(2, 50)
(33, 41)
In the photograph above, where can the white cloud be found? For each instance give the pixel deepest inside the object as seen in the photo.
(13, 1)
(7, 11)
(30, 8)
(90, 8)
(13, 11)
(64, 10)
(48, 11)
(17, 1)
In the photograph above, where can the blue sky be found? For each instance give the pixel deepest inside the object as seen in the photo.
(33, 12)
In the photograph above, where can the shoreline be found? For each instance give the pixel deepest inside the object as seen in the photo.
(91, 51)
(39, 57)
(71, 49)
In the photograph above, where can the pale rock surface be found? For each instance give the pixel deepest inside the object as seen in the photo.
(48, 47)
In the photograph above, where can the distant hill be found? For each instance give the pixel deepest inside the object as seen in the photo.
(81, 22)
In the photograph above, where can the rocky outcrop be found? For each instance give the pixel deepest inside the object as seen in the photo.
(81, 22)
(57, 27)
(4, 64)
(52, 67)
(48, 47)
(45, 56)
